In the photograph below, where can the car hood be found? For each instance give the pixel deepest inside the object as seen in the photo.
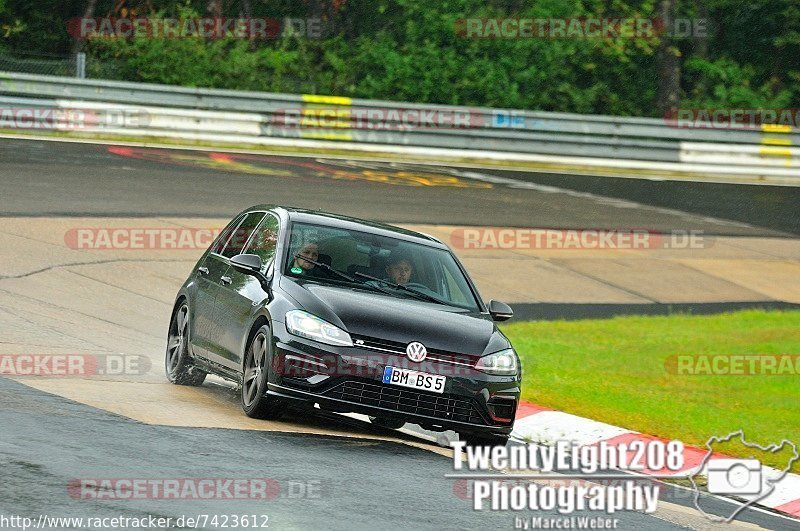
(366, 313)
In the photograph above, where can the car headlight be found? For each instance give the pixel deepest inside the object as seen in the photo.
(310, 326)
(503, 363)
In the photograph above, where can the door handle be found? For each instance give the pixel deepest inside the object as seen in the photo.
(202, 270)
(225, 280)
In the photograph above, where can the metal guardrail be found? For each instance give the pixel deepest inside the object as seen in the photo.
(204, 113)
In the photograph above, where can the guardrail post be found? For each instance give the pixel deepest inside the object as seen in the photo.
(80, 65)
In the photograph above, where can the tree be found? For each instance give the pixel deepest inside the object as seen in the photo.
(668, 61)
(77, 44)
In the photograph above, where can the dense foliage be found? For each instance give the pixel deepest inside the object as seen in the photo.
(410, 50)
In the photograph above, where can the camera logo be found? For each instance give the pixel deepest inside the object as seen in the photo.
(734, 476)
(744, 479)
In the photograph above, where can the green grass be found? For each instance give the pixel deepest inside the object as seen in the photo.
(613, 370)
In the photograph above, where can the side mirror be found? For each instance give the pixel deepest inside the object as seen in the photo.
(500, 311)
(249, 264)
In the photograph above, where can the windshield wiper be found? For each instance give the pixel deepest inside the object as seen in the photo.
(326, 267)
(418, 294)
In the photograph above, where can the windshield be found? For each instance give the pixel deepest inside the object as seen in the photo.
(389, 265)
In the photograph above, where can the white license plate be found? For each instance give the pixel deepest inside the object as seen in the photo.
(414, 379)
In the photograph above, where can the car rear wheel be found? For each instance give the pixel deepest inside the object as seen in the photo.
(178, 363)
(255, 401)
(479, 439)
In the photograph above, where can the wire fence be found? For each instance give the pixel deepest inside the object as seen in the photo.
(76, 65)
(110, 69)
(42, 65)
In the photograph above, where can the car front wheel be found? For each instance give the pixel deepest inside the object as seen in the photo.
(256, 402)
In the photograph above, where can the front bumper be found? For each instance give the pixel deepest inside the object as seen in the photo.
(349, 379)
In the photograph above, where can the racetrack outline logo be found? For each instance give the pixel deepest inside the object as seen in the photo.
(769, 482)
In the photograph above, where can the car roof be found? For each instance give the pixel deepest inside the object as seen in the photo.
(339, 221)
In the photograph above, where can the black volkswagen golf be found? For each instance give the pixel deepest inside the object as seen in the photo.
(351, 315)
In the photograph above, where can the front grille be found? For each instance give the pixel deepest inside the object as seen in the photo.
(444, 406)
(400, 349)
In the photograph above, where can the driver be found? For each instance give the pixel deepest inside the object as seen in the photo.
(310, 251)
(399, 268)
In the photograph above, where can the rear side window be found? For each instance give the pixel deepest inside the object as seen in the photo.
(225, 234)
(239, 237)
(265, 240)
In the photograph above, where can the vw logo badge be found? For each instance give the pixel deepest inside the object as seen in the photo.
(416, 351)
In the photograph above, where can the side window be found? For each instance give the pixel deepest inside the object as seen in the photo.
(265, 240)
(242, 233)
(223, 236)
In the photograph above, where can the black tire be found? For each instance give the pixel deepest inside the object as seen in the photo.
(388, 423)
(480, 439)
(178, 363)
(256, 403)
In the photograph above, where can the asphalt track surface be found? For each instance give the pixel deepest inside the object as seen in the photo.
(53, 178)
(49, 443)
(356, 484)
(48, 440)
(774, 207)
